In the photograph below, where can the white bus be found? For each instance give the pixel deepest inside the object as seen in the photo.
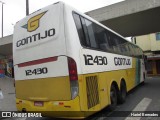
(66, 61)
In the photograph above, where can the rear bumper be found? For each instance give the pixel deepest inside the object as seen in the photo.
(63, 109)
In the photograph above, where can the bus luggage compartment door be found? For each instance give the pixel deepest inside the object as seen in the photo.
(44, 80)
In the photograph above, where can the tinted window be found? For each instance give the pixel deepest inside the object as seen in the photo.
(91, 34)
(85, 32)
(95, 36)
(101, 37)
(130, 48)
(80, 30)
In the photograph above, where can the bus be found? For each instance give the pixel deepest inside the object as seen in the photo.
(69, 65)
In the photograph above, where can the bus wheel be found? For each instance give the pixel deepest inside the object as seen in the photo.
(122, 93)
(113, 98)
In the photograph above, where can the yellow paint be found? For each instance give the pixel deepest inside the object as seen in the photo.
(55, 90)
(33, 23)
(50, 106)
(44, 89)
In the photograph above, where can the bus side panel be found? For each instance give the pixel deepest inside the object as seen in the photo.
(140, 71)
(100, 68)
(73, 50)
(131, 75)
(88, 94)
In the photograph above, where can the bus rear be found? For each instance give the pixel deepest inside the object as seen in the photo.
(45, 77)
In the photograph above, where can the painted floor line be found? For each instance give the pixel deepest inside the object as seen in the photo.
(142, 106)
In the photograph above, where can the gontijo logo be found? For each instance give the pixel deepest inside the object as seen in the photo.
(33, 23)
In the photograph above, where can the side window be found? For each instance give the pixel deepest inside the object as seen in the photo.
(109, 40)
(116, 44)
(133, 50)
(80, 29)
(124, 46)
(140, 53)
(130, 49)
(101, 37)
(137, 51)
(91, 34)
(85, 31)
(112, 42)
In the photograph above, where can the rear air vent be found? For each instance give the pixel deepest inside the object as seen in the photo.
(92, 91)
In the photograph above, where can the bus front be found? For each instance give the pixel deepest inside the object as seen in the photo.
(45, 77)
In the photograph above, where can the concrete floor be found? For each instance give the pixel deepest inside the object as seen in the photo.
(150, 90)
(7, 103)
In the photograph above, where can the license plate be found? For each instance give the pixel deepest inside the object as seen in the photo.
(38, 103)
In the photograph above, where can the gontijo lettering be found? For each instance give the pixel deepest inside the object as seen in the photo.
(121, 61)
(35, 37)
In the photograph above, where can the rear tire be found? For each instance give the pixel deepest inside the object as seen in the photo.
(122, 93)
(113, 98)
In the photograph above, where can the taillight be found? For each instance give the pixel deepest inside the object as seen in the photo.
(72, 67)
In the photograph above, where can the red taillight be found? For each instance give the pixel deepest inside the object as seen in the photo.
(72, 69)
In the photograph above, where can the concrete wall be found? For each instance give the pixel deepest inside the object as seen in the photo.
(6, 40)
(122, 8)
(148, 42)
(130, 17)
(144, 42)
(6, 45)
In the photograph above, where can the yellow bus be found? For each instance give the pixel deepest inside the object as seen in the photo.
(69, 65)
